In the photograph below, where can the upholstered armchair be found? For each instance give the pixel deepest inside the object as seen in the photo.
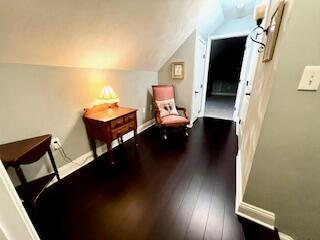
(168, 116)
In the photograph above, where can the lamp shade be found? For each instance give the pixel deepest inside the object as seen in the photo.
(108, 95)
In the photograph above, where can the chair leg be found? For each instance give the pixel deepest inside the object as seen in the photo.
(165, 135)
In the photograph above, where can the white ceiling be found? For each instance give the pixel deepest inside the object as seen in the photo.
(230, 10)
(117, 34)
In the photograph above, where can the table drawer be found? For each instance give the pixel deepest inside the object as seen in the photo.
(130, 117)
(118, 132)
(117, 123)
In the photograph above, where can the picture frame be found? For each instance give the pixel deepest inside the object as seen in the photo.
(273, 32)
(177, 71)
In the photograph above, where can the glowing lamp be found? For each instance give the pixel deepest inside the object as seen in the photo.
(108, 95)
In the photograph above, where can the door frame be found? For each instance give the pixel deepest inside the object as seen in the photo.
(207, 62)
(199, 38)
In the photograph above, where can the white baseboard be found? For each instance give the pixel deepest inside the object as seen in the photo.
(256, 214)
(86, 158)
(283, 236)
(246, 210)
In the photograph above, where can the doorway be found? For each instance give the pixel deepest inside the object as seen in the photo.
(226, 55)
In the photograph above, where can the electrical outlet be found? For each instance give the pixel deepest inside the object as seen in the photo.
(151, 108)
(55, 143)
(143, 110)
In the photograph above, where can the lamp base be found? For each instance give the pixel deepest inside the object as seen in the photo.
(111, 105)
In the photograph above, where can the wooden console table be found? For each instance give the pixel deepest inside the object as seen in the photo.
(26, 152)
(107, 124)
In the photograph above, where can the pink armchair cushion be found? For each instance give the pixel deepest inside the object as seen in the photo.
(163, 92)
(174, 119)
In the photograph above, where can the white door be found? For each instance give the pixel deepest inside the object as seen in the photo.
(200, 58)
(14, 221)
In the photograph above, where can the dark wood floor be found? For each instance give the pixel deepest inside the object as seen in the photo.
(178, 190)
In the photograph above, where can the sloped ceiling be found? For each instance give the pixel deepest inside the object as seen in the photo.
(113, 34)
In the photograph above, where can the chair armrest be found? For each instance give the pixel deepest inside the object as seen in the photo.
(184, 110)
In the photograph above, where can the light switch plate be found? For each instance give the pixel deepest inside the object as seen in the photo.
(310, 79)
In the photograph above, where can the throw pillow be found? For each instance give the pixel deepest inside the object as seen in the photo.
(167, 107)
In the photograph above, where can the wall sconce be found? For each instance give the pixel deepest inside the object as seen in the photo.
(257, 31)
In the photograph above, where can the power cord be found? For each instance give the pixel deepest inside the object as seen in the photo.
(66, 158)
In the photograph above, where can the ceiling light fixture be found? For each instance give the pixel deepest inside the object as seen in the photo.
(240, 4)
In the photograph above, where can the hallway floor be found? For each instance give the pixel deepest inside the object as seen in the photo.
(220, 107)
(174, 190)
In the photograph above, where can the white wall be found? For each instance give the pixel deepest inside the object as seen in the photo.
(244, 24)
(38, 100)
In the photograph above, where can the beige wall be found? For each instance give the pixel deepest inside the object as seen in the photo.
(184, 87)
(36, 100)
(284, 176)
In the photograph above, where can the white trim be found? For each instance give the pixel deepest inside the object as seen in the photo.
(86, 158)
(205, 80)
(202, 40)
(239, 184)
(246, 210)
(229, 35)
(283, 236)
(22, 214)
(256, 214)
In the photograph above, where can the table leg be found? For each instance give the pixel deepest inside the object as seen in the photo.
(53, 164)
(135, 137)
(110, 153)
(24, 184)
(94, 148)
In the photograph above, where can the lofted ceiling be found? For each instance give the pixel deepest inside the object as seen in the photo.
(113, 34)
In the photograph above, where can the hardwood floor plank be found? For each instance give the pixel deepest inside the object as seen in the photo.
(200, 215)
(215, 221)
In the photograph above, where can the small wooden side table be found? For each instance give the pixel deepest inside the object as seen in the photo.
(26, 152)
(107, 124)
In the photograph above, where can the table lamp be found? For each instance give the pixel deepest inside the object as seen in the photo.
(109, 96)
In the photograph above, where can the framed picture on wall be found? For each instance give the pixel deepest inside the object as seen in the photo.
(273, 32)
(177, 70)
